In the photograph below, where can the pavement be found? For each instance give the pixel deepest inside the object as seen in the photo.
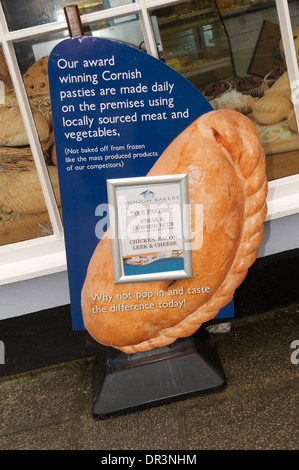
(50, 408)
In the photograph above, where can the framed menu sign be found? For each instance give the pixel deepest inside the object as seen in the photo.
(150, 228)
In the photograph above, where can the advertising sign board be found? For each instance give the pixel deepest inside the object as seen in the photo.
(115, 110)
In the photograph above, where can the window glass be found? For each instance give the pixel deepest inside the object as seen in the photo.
(257, 50)
(23, 14)
(192, 39)
(126, 29)
(32, 57)
(23, 212)
(232, 52)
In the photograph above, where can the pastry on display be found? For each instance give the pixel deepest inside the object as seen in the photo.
(222, 155)
(248, 85)
(271, 109)
(234, 100)
(37, 87)
(274, 75)
(216, 89)
(36, 78)
(22, 192)
(281, 87)
(12, 130)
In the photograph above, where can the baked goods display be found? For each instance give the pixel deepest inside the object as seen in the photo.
(21, 195)
(218, 143)
(274, 75)
(253, 86)
(21, 191)
(270, 109)
(234, 100)
(12, 130)
(275, 119)
(268, 103)
(216, 89)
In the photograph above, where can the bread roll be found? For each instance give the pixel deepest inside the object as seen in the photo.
(222, 155)
(12, 130)
(281, 87)
(36, 78)
(271, 109)
(20, 191)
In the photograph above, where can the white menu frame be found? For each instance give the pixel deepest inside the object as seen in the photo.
(115, 226)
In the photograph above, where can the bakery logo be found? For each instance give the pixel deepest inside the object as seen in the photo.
(2, 353)
(2, 92)
(147, 194)
(147, 197)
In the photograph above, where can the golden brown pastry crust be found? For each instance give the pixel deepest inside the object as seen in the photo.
(225, 163)
(281, 87)
(271, 109)
(36, 78)
(21, 191)
(12, 130)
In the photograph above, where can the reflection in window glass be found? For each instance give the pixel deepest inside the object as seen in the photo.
(191, 38)
(32, 57)
(262, 81)
(125, 29)
(23, 212)
(232, 52)
(24, 14)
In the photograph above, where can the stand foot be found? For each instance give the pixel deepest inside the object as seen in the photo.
(125, 383)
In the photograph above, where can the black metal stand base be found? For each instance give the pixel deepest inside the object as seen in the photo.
(125, 383)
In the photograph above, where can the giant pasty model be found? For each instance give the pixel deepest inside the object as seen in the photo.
(222, 155)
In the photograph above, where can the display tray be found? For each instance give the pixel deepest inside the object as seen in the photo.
(277, 138)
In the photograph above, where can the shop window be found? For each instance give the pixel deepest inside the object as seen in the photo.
(24, 14)
(192, 39)
(23, 211)
(126, 29)
(232, 52)
(18, 171)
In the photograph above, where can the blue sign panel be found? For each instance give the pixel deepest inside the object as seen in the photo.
(115, 110)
